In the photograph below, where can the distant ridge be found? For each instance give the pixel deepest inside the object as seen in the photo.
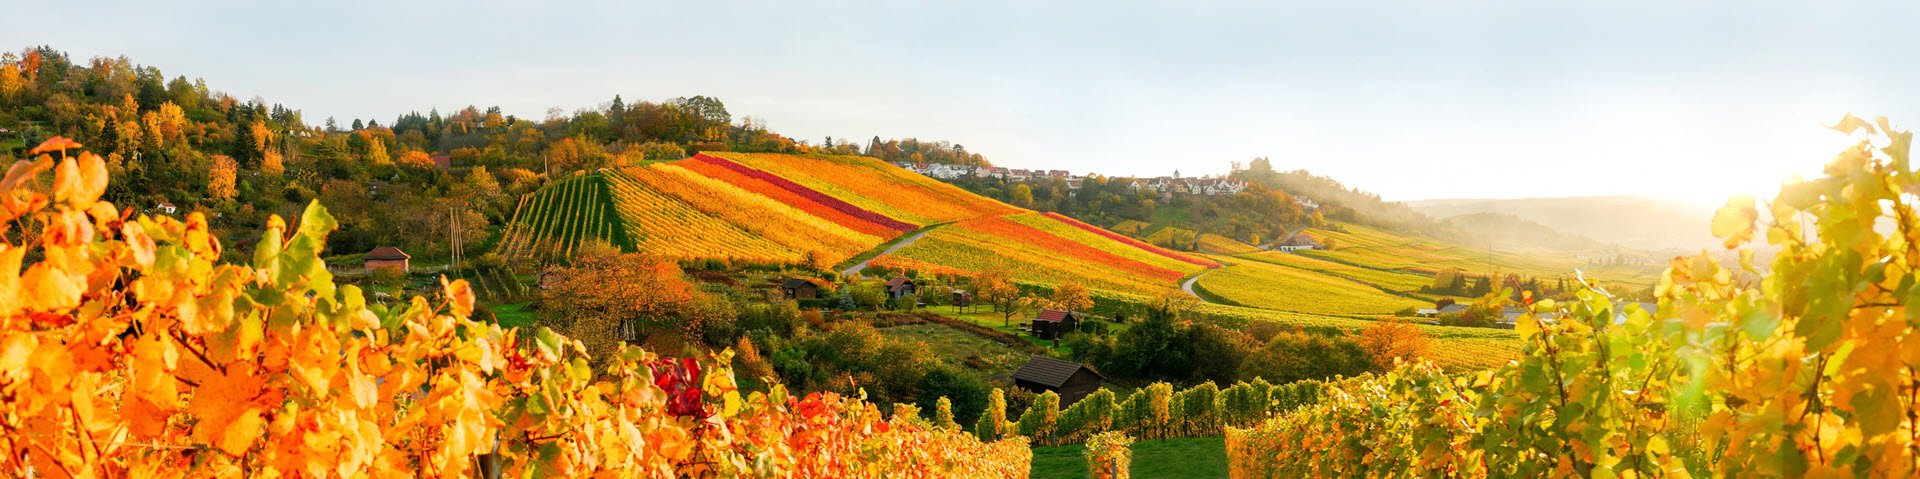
(1639, 222)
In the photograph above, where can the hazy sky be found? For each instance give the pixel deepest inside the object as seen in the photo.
(1411, 100)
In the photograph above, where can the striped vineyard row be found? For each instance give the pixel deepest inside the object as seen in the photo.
(560, 218)
(1030, 256)
(782, 224)
(1270, 286)
(666, 227)
(877, 186)
(1134, 242)
(784, 196)
(810, 194)
(1076, 234)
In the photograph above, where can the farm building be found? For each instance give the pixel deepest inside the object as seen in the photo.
(1299, 242)
(385, 256)
(1052, 323)
(796, 288)
(1072, 381)
(165, 208)
(900, 287)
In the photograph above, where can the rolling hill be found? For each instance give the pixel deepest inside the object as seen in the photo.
(1632, 221)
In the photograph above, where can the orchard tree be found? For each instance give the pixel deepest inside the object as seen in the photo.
(1070, 296)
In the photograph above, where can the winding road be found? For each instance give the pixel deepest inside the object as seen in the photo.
(855, 269)
(1188, 286)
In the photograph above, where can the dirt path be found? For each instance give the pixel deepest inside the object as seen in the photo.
(855, 269)
(1188, 286)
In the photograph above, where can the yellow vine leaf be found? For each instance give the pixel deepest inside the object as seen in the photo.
(1734, 222)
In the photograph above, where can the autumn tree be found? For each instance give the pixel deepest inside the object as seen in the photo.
(606, 297)
(1389, 339)
(416, 160)
(377, 153)
(1070, 296)
(273, 164)
(997, 289)
(220, 181)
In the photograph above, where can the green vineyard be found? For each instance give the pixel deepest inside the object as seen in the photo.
(560, 218)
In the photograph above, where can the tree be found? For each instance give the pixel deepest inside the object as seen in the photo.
(996, 289)
(357, 125)
(273, 164)
(1389, 339)
(220, 179)
(482, 183)
(1021, 196)
(377, 153)
(603, 299)
(416, 160)
(1070, 296)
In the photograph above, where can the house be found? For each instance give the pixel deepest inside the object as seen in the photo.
(1019, 175)
(899, 287)
(383, 257)
(165, 208)
(1451, 308)
(442, 161)
(1305, 202)
(1299, 242)
(1053, 323)
(1057, 173)
(796, 288)
(1072, 381)
(1074, 184)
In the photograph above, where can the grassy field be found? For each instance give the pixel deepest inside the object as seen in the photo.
(954, 347)
(513, 315)
(1271, 286)
(1193, 457)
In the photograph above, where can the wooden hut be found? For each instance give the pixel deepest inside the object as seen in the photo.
(385, 256)
(1071, 380)
(797, 288)
(1052, 324)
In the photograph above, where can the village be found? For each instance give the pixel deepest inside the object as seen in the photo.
(1166, 185)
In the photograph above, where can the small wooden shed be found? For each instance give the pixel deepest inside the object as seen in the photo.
(1072, 381)
(385, 256)
(900, 287)
(1053, 323)
(797, 288)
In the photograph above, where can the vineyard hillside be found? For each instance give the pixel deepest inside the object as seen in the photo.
(564, 215)
(1382, 250)
(820, 210)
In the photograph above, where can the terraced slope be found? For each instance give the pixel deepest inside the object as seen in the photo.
(876, 186)
(1040, 249)
(559, 218)
(1271, 286)
(1383, 250)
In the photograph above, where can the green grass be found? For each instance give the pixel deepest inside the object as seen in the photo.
(1180, 458)
(513, 315)
(954, 346)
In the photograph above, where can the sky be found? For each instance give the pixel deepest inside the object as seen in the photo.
(1411, 100)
